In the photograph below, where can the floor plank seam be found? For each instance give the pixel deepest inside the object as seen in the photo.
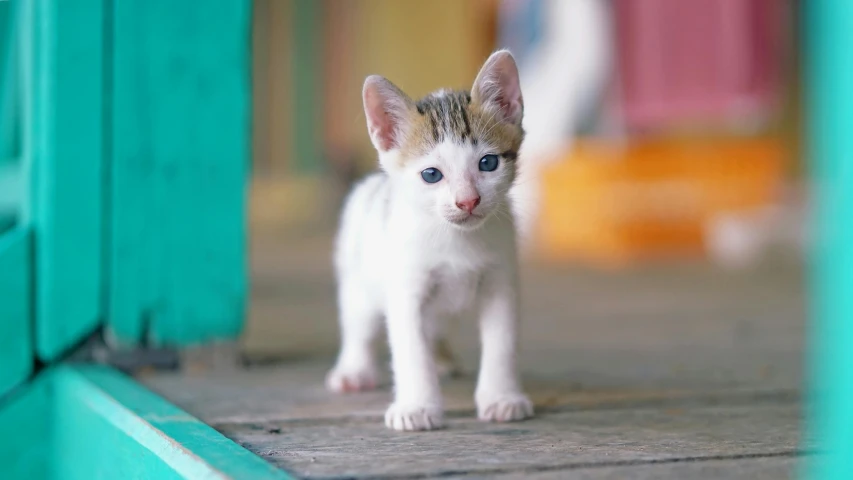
(576, 466)
(777, 397)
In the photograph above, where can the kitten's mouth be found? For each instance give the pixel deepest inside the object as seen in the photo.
(468, 221)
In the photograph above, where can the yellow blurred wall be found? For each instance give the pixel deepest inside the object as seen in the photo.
(419, 45)
(272, 81)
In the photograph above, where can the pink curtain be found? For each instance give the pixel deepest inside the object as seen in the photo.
(697, 60)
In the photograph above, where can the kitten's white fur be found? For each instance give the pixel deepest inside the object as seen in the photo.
(407, 253)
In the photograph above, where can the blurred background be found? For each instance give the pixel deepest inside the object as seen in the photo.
(662, 175)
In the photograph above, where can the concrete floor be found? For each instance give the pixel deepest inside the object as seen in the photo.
(674, 371)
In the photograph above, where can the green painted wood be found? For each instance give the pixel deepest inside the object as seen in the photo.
(16, 351)
(91, 423)
(181, 154)
(11, 193)
(26, 425)
(63, 138)
(180, 442)
(307, 85)
(829, 80)
(9, 93)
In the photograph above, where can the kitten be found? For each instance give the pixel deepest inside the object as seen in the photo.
(430, 236)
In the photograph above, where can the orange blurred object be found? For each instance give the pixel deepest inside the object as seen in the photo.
(611, 205)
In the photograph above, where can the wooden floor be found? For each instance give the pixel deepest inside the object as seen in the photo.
(678, 371)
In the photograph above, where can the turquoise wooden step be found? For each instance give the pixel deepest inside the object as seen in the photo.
(86, 422)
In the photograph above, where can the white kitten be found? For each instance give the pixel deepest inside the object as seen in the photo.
(431, 236)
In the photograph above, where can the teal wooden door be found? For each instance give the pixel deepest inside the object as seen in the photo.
(179, 171)
(15, 312)
(124, 153)
(64, 138)
(51, 175)
(124, 157)
(49, 180)
(15, 232)
(51, 185)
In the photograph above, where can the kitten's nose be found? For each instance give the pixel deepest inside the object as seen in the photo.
(468, 205)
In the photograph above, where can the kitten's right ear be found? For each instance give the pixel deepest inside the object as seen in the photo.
(497, 85)
(386, 108)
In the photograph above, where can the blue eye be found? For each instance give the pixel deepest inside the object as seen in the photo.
(431, 175)
(489, 163)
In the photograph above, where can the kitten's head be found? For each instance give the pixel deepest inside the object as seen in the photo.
(454, 152)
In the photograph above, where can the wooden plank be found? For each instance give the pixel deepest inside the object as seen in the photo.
(16, 355)
(64, 137)
(355, 447)
(181, 155)
(770, 467)
(829, 76)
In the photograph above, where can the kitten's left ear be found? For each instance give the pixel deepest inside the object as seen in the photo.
(386, 108)
(497, 85)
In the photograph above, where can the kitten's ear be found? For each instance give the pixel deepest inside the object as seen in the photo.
(497, 85)
(386, 108)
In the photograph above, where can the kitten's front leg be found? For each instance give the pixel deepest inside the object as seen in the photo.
(499, 396)
(417, 396)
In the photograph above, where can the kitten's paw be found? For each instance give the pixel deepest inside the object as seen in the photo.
(507, 407)
(406, 418)
(348, 380)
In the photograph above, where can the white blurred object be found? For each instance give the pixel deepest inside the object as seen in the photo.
(736, 240)
(563, 72)
(740, 240)
(567, 67)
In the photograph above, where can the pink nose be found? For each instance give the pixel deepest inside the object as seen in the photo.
(468, 205)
